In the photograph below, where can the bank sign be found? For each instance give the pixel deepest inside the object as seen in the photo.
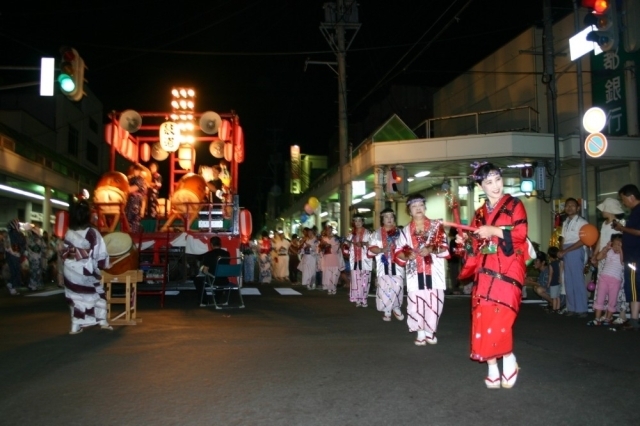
(609, 87)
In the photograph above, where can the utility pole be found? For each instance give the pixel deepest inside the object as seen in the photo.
(341, 17)
(549, 79)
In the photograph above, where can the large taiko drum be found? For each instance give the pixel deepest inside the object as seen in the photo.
(123, 255)
(111, 192)
(190, 191)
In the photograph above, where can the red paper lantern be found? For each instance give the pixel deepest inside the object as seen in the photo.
(62, 223)
(145, 152)
(246, 224)
(228, 151)
(224, 132)
(588, 234)
(238, 143)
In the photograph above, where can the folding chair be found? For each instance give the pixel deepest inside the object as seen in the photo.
(226, 267)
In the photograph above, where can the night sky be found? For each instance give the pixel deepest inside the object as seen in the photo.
(249, 56)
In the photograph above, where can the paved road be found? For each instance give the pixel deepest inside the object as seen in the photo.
(311, 359)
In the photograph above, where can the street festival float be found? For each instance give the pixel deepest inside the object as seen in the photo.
(166, 247)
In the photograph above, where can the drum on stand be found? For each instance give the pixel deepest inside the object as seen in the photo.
(123, 255)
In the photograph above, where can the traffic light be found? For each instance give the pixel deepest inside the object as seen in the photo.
(397, 181)
(71, 78)
(604, 17)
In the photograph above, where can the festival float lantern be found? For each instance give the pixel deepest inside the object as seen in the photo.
(145, 152)
(169, 136)
(246, 224)
(186, 156)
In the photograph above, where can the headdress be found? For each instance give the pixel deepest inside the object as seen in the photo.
(477, 165)
(415, 200)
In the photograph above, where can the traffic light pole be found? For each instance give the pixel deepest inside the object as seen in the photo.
(583, 154)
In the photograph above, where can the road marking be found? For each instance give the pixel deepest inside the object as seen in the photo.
(46, 293)
(287, 292)
(250, 291)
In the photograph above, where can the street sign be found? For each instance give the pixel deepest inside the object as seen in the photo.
(595, 145)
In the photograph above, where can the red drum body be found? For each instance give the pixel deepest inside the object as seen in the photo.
(111, 192)
(123, 255)
(189, 194)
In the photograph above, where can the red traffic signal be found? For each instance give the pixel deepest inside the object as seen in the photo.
(604, 18)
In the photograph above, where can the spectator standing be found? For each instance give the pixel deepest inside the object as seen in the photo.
(265, 249)
(609, 280)
(574, 257)
(630, 196)
(611, 210)
(15, 247)
(555, 275)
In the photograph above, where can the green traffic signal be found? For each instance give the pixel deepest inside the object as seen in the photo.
(66, 83)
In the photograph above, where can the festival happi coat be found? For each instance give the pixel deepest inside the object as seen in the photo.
(433, 264)
(387, 241)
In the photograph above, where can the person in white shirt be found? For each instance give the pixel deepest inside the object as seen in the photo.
(574, 257)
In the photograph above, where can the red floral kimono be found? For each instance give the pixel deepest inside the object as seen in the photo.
(499, 269)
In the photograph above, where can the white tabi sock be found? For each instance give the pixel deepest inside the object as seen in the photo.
(508, 364)
(494, 372)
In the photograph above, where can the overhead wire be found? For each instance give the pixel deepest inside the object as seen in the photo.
(385, 79)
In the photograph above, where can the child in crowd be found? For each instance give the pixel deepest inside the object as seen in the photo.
(609, 281)
(541, 284)
(555, 269)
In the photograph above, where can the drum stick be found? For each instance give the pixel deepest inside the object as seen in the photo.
(460, 226)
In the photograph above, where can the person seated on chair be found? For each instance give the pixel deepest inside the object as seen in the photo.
(209, 262)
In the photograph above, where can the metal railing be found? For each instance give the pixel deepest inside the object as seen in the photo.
(532, 118)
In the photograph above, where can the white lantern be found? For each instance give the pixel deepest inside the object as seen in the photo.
(169, 136)
(186, 156)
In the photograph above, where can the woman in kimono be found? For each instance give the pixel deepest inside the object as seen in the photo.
(281, 257)
(249, 260)
(153, 191)
(309, 261)
(500, 250)
(84, 254)
(356, 246)
(265, 249)
(389, 275)
(422, 248)
(329, 248)
(135, 201)
(15, 246)
(37, 256)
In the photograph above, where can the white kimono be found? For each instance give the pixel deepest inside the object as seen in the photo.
(389, 275)
(425, 290)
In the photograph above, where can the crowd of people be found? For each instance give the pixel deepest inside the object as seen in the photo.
(28, 257)
(494, 263)
(492, 255)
